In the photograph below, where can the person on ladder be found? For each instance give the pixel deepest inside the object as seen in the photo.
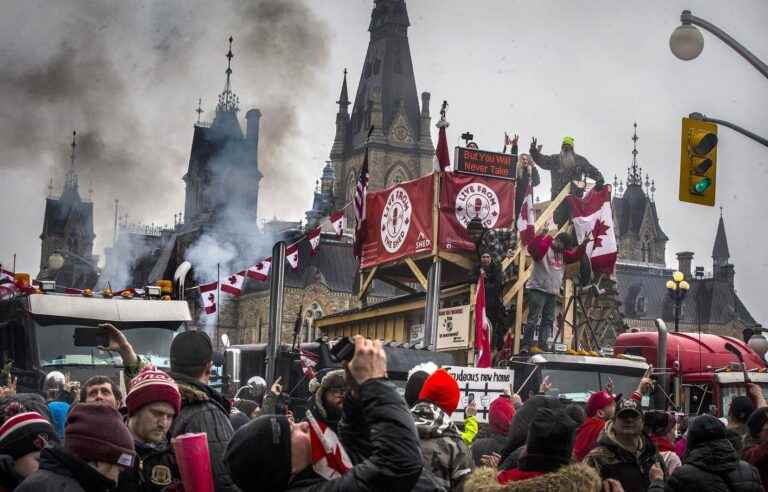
(550, 256)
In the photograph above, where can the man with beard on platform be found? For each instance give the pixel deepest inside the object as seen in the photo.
(565, 167)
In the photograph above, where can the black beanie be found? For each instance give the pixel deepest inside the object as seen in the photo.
(524, 417)
(741, 408)
(191, 349)
(259, 454)
(757, 420)
(703, 429)
(413, 387)
(550, 436)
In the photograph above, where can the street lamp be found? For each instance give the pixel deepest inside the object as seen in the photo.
(677, 288)
(686, 42)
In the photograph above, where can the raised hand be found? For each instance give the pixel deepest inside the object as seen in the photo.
(534, 144)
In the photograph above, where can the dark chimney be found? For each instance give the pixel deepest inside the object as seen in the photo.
(252, 130)
(684, 262)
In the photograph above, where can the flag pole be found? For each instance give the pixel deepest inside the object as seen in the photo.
(218, 299)
(14, 263)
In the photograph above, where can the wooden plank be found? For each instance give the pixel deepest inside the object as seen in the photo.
(398, 285)
(569, 315)
(400, 333)
(417, 272)
(458, 259)
(367, 283)
(519, 307)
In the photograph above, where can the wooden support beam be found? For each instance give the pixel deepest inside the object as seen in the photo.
(398, 285)
(519, 307)
(367, 283)
(458, 259)
(419, 276)
(568, 316)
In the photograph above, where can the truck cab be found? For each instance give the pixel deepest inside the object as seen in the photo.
(36, 334)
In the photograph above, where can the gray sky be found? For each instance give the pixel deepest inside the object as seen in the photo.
(128, 77)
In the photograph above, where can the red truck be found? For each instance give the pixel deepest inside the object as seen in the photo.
(698, 372)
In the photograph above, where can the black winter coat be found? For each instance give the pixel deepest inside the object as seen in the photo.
(155, 469)
(631, 470)
(61, 471)
(392, 459)
(203, 409)
(712, 467)
(9, 479)
(494, 443)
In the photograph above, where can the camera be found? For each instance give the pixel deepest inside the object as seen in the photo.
(343, 350)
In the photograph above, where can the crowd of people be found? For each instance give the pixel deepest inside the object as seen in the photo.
(359, 433)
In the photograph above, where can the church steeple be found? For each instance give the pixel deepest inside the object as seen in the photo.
(71, 189)
(720, 253)
(342, 122)
(634, 172)
(343, 101)
(225, 120)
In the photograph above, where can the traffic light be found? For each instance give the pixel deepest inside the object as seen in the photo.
(698, 162)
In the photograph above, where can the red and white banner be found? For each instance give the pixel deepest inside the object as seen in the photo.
(527, 219)
(398, 222)
(260, 271)
(314, 240)
(464, 197)
(482, 327)
(292, 255)
(593, 214)
(329, 458)
(233, 284)
(308, 362)
(337, 222)
(208, 295)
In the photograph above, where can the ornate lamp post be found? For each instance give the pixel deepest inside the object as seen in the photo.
(677, 288)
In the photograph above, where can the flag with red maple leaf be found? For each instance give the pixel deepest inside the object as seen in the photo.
(208, 296)
(233, 283)
(593, 214)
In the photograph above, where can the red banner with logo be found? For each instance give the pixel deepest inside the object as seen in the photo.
(399, 222)
(464, 197)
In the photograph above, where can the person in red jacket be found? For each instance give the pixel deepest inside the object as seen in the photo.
(550, 257)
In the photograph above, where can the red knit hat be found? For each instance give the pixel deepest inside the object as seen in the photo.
(500, 414)
(441, 389)
(25, 433)
(150, 386)
(96, 432)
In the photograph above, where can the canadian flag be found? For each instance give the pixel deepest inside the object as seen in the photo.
(8, 286)
(593, 214)
(482, 327)
(292, 255)
(329, 458)
(308, 362)
(442, 156)
(314, 240)
(208, 295)
(526, 219)
(233, 284)
(260, 271)
(337, 222)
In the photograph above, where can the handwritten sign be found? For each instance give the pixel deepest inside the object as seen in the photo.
(483, 163)
(481, 385)
(453, 328)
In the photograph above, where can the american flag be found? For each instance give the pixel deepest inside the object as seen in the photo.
(361, 191)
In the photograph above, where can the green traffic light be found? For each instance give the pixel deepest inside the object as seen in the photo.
(701, 186)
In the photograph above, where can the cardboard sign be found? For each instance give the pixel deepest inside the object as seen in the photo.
(453, 328)
(483, 163)
(479, 385)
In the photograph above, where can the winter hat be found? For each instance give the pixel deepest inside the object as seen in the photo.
(568, 140)
(332, 379)
(597, 401)
(741, 408)
(191, 349)
(441, 389)
(500, 414)
(757, 420)
(518, 431)
(416, 377)
(25, 433)
(658, 422)
(630, 406)
(551, 436)
(576, 412)
(704, 428)
(152, 385)
(259, 454)
(96, 432)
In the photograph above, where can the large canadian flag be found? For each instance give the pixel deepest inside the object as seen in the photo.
(233, 284)
(314, 240)
(482, 327)
(593, 214)
(208, 295)
(292, 255)
(337, 222)
(527, 219)
(329, 458)
(260, 271)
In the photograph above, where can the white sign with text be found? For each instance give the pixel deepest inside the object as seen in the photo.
(480, 385)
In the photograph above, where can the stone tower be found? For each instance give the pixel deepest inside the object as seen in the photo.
(401, 144)
(222, 180)
(638, 231)
(68, 231)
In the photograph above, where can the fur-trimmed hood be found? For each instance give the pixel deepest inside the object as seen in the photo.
(194, 392)
(577, 477)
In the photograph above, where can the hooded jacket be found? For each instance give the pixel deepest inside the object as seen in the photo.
(632, 469)
(61, 471)
(445, 453)
(204, 410)
(572, 478)
(586, 437)
(715, 467)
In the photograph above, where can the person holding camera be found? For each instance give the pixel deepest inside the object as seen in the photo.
(271, 453)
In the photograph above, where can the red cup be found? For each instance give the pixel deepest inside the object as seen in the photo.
(194, 462)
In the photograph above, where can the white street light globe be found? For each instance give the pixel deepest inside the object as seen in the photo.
(686, 42)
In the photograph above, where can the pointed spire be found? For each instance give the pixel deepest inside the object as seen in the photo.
(720, 253)
(634, 174)
(199, 109)
(50, 188)
(228, 101)
(70, 180)
(343, 101)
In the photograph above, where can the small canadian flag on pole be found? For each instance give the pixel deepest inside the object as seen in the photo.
(314, 240)
(233, 284)
(260, 271)
(526, 219)
(337, 222)
(292, 255)
(208, 295)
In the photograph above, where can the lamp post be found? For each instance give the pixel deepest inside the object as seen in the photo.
(677, 288)
(687, 42)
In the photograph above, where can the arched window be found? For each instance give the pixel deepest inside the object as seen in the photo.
(351, 185)
(396, 175)
(313, 313)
